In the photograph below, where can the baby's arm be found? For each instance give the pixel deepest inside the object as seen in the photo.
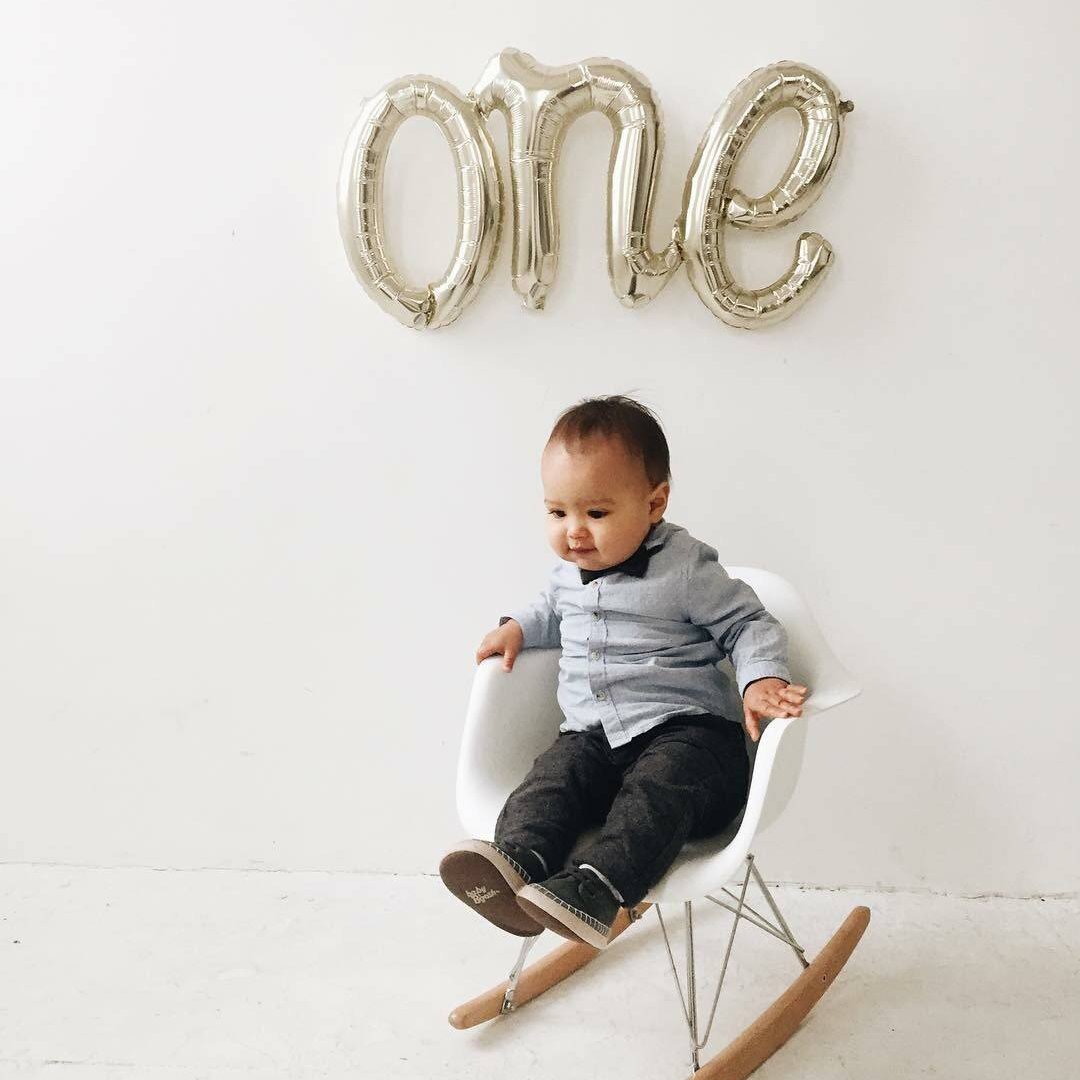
(756, 643)
(534, 627)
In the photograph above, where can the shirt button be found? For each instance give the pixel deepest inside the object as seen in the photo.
(595, 582)
(594, 656)
(596, 614)
(600, 695)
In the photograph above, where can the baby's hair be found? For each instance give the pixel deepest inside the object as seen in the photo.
(622, 418)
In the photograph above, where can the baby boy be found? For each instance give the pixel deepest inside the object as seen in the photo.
(651, 749)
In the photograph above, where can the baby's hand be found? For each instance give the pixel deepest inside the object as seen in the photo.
(507, 640)
(767, 698)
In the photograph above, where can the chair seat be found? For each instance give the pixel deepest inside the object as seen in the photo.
(723, 856)
(693, 854)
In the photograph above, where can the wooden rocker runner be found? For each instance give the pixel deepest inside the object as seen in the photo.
(496, 755)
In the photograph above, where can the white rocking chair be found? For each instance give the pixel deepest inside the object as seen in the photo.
(513, 716)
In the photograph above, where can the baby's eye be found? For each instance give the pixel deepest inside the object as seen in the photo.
(557, 513)
(597, 513)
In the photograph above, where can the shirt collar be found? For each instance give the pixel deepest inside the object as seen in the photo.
(636, 564)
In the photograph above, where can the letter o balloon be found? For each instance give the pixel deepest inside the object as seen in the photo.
(360, 205)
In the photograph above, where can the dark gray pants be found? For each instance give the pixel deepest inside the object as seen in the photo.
(688, 777)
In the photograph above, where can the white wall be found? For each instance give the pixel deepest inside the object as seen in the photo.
(252, 528)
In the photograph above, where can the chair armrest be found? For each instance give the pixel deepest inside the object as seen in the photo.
(705, 865)
(841, 689)
(511, 717)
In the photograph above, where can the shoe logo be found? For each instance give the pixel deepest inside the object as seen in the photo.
(481, 894)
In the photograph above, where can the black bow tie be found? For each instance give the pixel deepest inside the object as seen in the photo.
(636, 566)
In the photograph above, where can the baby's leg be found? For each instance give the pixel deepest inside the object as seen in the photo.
(569, 787)
(690, 779)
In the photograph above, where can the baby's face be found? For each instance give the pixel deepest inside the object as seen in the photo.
(599, 502)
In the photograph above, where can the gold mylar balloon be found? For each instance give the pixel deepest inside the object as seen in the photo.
(539, 104)
(360, 210)
(710, 202)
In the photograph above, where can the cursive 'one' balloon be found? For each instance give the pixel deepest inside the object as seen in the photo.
(539, 104)
(360, 209)
(710, 202)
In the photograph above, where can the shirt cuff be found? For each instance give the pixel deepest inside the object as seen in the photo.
(761, 669)
(532, 627)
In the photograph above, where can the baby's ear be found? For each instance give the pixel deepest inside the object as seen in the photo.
(658, 500)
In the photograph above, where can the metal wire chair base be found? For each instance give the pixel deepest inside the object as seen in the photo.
(742, 911)
(515, 973)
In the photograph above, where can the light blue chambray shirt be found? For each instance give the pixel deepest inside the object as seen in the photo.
(636, 651)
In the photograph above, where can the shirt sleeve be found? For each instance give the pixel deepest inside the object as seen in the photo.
(732, 613)
(539, 621)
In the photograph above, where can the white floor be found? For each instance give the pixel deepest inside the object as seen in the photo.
(178, 975)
